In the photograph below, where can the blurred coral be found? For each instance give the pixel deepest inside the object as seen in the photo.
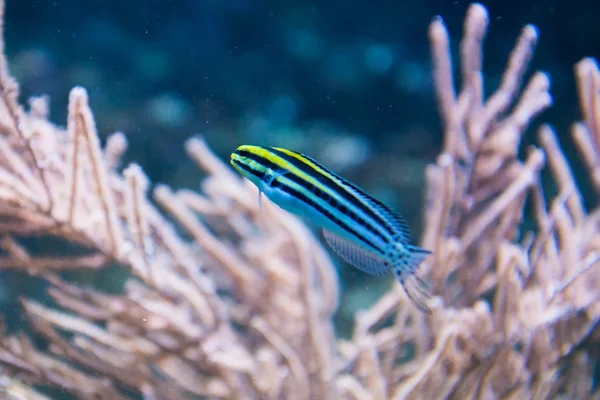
(235, 302)
(513, 307)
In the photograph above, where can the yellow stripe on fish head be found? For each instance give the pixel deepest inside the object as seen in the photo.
(268, 154)
(302, 158)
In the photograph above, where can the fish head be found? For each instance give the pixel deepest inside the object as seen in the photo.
(244, 160)
(241, 158)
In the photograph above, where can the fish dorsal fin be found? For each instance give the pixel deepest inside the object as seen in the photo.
(394, 219)
(399, 224)
(356, 256)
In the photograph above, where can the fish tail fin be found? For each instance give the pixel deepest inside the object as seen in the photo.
(415, 288)
(416, 256)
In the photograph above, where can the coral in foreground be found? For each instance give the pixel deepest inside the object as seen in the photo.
(543, 285)
(240, 306)
(248, 311)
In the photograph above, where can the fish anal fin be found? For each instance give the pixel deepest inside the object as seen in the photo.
(356, 256)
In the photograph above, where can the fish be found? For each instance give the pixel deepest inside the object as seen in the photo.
(363, 231)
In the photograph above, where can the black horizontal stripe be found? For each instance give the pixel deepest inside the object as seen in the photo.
(313, 189)
(259, 174)
(326, 180)
(299, 195)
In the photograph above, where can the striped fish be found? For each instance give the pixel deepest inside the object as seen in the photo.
(363, 231)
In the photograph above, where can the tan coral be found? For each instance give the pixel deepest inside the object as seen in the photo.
(541, 307)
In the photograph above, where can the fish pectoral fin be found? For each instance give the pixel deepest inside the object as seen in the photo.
(355, 255)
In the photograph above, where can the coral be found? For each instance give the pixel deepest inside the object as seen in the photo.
(226, 300)
(247, 311)
(512, 308)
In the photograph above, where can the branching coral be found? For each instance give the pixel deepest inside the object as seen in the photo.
(268, 330)
(543, 287)
(265, 331)
(241, 305)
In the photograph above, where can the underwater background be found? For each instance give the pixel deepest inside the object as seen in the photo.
(347, 82)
